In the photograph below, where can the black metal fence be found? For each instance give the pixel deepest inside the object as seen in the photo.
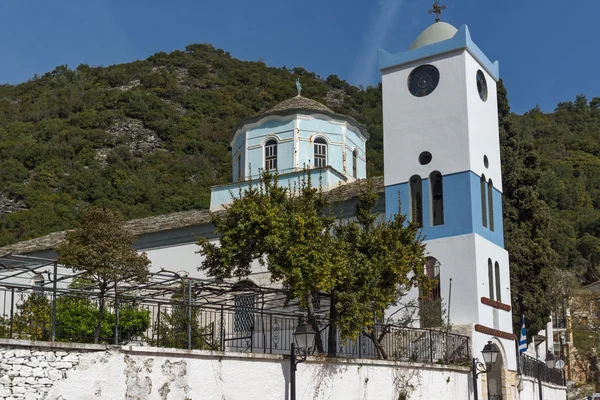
(72, 316)
(539, 370)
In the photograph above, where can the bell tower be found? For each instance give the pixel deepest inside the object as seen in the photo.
(442, 161)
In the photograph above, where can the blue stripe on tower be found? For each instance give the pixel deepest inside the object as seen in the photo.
(462, 207)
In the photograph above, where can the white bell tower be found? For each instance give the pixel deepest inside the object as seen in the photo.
(442, 160)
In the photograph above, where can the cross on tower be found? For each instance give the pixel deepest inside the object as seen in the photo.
(437, 10)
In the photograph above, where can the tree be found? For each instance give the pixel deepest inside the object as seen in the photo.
(32, 319)
(526, 219)
(101, 249)
(173, 328)
(360, 264)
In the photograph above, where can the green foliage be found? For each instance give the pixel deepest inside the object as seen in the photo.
(101, 249)
(526, 224)
(33, 317)
(54, 133)
(173, 326)
(76, 319)
(360, 263)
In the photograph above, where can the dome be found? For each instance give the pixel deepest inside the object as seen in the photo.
(299, 103)
(437, 32)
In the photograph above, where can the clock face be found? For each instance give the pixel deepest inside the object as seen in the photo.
(423, 80)
(482, 86)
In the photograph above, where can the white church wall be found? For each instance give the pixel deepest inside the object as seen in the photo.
(185, 259)
(408, 125)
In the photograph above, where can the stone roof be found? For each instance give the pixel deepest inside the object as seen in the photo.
(300, 104)
(176, 220)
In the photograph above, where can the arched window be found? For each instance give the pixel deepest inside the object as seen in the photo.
(437, 198)
(491, 278)
(320, 150)
(355, 164)
(498, 287)
(416, 198)
(431, 304)
(491, 204)
(271, 155)
(483, 202)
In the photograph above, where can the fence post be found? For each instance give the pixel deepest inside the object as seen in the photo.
(12, 310)
(158, 327)
(54, 301)
(360, 345)
(222, 331)
(189, 327)
(431, 345)
(116, 319)
(270, 333)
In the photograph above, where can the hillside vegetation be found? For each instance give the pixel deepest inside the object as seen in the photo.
(147, 137)
(150, 137)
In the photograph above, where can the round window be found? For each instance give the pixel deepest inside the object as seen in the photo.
(425, 158)
(482, 86)
(486, 163)
(423, 80)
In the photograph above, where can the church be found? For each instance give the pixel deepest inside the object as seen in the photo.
(441, 159)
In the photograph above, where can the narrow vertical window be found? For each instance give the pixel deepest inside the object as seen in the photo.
(491, 204)
(271, 155)
(416, 197)
(320, 150)
(498, 287)
(491, 278)
(355, 164)
(431, 304)
(483, 202)
(244, 312)
(437, 198)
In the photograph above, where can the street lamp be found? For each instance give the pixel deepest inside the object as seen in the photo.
(550, 360)
(304, 336)
(490, 354)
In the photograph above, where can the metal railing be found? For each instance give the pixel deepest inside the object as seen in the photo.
(539, 370)
(27, 314)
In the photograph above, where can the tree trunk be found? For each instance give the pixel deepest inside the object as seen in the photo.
(313, 321)
(100, 317)
(101, 304)
(377, 339)
(332, 337)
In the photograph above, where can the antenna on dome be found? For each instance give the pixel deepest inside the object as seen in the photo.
(437, 10)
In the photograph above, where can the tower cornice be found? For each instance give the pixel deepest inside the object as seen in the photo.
(461, 40)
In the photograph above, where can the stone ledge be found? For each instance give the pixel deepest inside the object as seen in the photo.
(545, 384)
(55, 345)
(155, 351)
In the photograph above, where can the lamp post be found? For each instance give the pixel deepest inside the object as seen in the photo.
(304, 336)
(490, 354)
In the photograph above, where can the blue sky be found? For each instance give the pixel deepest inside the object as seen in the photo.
(548, 50)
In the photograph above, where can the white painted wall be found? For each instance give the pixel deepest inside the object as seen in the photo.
(483, 132)
(437, 123)
(65, 371)
(185, 259)
(147, 373)
(530, 390)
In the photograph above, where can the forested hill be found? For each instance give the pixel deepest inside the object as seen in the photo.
(147, 137)
(567, 142)
(150, 137)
